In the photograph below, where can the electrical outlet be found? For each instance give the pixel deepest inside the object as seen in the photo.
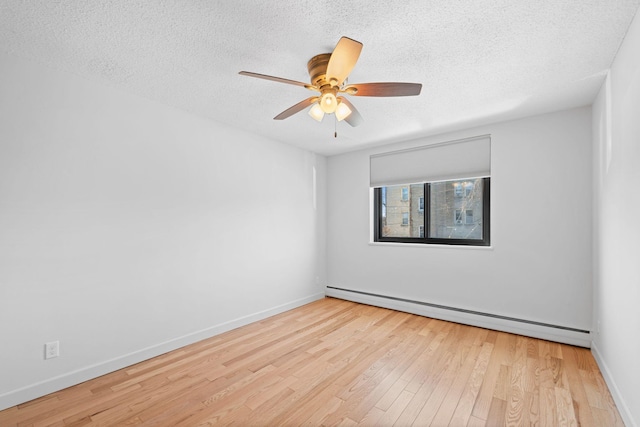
(52, 349)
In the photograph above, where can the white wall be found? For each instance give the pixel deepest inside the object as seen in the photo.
(128, 228)
(616, 132)
(539, 265)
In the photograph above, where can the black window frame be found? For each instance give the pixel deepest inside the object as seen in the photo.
(486, 222)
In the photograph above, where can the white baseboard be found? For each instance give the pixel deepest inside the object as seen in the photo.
(566, 336)
(33, 391)
(613, 388)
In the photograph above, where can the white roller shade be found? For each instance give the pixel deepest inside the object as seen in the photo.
(468, 158)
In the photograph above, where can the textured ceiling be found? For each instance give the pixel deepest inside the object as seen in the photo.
(479, 61)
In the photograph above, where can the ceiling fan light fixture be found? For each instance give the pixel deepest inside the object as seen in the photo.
(328, 102)
(329, 73)
(343, 111)
(316, 112)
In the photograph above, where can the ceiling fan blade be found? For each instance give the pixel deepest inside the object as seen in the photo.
(354, 119)
(272, 78)
(384, 89)
(342, 60)
(296, 108)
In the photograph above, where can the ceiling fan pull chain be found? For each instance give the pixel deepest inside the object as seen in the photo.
(335, 126)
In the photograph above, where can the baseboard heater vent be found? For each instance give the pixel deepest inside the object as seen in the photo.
(462, 310)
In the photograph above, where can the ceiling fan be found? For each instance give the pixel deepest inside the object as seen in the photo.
(329, 72)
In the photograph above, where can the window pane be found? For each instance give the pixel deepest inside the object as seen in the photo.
(405, 218)
(400, 212)
(456, 209)
(458, 216)
(468, 218)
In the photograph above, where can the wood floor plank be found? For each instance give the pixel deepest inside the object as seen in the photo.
(466, 402)
(476, 422)
(530, 412)
(357, 387)
(436, 398)
(458, 382)
(266, 411)
(580, 402)
(487, 389)
(335, 362)
(325, 409)
(390, 371)
(605, 398)
(432, 376)
(497, 412)
(416, 375)
(395, 410)
(564, 408)
(391, 395)
(516, 399)
(548, 411)
(373, 416)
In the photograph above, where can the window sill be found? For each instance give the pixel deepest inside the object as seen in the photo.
(433, 246)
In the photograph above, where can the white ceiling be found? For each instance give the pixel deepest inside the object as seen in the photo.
(479, 61)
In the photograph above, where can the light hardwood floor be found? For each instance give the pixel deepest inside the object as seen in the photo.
(334, 362)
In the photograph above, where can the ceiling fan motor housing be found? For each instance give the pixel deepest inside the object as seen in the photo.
(317, 67)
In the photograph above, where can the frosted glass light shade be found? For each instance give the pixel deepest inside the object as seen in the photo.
(343, 111)
(316, 112)
(328, 103)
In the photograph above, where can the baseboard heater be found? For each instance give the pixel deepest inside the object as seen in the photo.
(526, 327)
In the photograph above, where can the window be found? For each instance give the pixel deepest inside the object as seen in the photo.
(405, 194)
(405, 218)
(468, 216)
(458, 216)
(468, 188)
(443, 206)
(451, 216)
